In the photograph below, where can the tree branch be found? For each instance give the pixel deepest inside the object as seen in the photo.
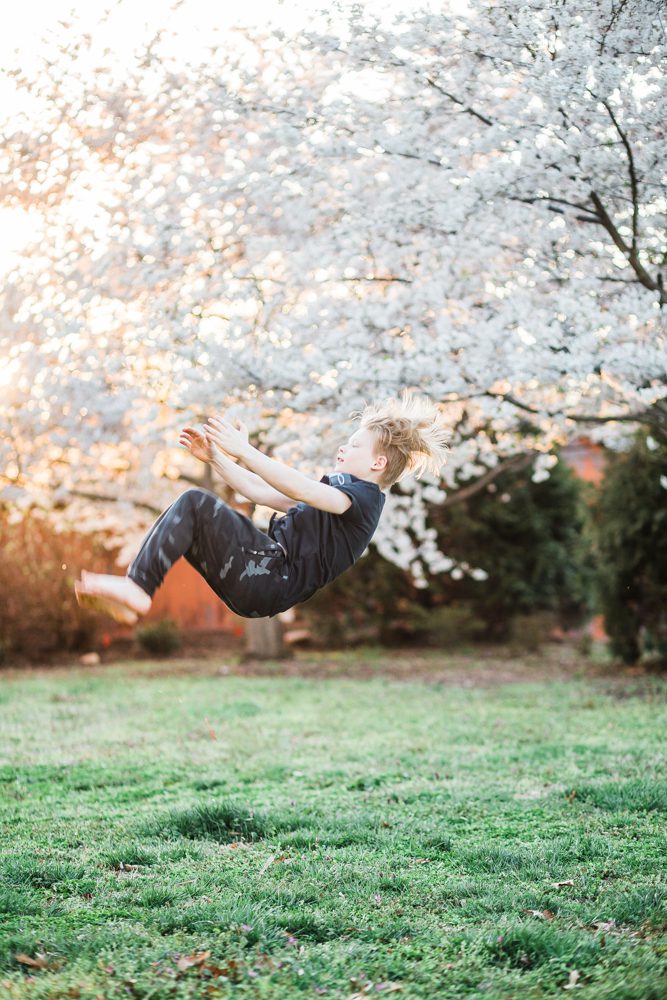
(642, 417)
(468, 110)
(102, 498)
(514, 464)
(634, 188)
(631, 255)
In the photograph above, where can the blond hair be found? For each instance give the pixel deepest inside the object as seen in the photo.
(410, 431)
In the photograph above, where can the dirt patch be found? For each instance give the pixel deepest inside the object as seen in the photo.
(481, 666)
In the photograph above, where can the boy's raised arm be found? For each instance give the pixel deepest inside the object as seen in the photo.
(242, 480)
(281, 477)
(250, 485)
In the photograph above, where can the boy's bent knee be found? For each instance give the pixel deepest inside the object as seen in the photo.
(195, 497)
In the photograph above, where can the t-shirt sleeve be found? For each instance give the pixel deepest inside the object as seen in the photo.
(364, 497)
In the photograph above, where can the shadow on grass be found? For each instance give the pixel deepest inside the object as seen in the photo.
(520, 946)
(642, 907)
(227, 821)
(224, 822)
(639, 795)
(537, 859)
(41, 874)
(254, 921)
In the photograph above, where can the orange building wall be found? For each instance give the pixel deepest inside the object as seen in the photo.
(586, 459)
(187, 598)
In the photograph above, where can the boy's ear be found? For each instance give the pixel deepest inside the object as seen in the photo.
(379, 462)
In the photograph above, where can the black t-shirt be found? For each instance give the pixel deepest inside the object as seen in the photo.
(319, 545)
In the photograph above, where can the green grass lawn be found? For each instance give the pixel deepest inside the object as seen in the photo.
(195, 833)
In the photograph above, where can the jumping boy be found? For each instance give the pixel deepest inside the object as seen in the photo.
(325, 527)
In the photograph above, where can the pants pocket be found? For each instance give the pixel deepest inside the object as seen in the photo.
(264, 560)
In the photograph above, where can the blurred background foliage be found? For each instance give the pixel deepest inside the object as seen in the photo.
(532, 539)
(630, 519)
(556, 552)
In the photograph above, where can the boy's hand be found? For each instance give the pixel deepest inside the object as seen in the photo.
(231, 438)
(197, 444)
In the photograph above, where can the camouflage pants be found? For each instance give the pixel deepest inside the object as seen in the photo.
(245, 567)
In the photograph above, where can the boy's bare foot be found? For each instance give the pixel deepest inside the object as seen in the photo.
(110, 607)
(117, 596)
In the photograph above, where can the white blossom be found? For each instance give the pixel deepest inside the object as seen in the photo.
(470, 203)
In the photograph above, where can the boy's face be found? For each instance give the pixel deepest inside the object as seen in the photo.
(359, 456)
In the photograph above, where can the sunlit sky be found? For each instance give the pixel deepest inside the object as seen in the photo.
(33, 21)
(35, 24)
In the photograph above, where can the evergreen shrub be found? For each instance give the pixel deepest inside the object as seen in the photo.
(630, 516)
(532, 539)
(161, 638)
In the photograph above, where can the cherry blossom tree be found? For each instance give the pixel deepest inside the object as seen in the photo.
(471, 203)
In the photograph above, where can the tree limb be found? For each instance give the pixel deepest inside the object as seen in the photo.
(102, 498)
(631, 255)
(642, 417)
(634, 188)
(514, 464)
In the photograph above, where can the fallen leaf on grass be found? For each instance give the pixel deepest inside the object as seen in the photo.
(231, 970)
(189, 961)
(544, 914)
(604, 925)
(41, 962)
(572, 981)
(370, 989)
(422, 861)
(567, 881)
(267, 864)
(272, 859)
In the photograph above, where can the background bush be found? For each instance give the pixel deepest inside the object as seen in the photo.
(630, 515)
(39, 614)
(160, 638)
(534, 540)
